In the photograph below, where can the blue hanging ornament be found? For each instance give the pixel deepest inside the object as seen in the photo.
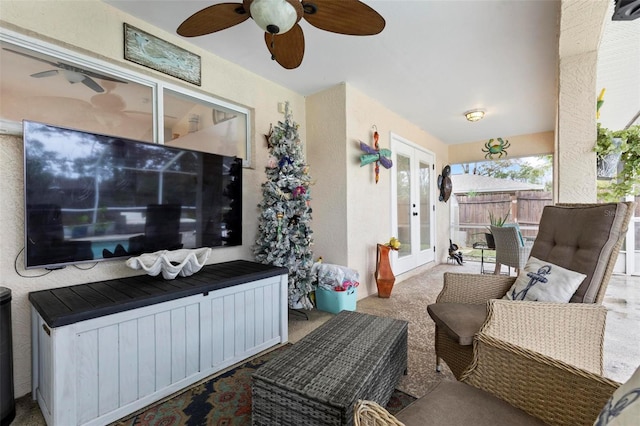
(285, 160)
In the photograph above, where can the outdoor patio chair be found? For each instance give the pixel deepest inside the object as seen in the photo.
(510, 384)
(582, 238)
(511, 249)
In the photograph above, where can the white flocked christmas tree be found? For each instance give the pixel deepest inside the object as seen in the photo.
(284, 225)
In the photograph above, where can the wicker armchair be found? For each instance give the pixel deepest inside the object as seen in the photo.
(583, 238)
(509, 250)
(508, 384)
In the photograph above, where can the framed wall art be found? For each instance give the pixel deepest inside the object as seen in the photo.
(150, 51)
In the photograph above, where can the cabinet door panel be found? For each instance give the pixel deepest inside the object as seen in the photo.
(87, 378)
(146, 354)
(108, 369)
(128, 361)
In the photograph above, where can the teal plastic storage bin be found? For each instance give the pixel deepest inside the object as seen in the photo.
(336, 301)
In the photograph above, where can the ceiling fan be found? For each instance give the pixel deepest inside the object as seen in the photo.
(113, 106)
(279, 19)
(71, 73)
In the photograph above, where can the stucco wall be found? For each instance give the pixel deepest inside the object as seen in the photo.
(326, 130)
(369, 214)
(95, 29)
(577, 135)
(520, 146)
(358, 210)
(581, 26)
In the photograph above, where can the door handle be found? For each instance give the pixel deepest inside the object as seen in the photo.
(415, 213)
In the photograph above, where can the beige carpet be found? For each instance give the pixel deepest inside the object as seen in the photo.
(408, 302)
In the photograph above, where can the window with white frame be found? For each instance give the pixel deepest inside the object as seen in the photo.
(48, 84)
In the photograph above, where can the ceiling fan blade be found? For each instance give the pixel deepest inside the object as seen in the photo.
(31, 56)
(213, 18)
(45, 74)
(63, 66)
(100, 76)
(350, 17)
(91, 84)
(288, 48)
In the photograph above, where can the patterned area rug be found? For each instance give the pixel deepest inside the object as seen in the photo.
(224, 400)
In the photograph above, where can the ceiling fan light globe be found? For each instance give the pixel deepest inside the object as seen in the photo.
(72, 76)
(274, 16)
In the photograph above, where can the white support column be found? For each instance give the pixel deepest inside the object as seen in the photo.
(581, 26)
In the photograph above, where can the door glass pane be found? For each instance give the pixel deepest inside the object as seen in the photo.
(404, 204)
(425, 205)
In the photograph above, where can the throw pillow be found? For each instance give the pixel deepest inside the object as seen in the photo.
(623, 408)
(544, 282)
(515, 225)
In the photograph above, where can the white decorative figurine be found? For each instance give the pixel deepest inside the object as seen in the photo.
(182, 262)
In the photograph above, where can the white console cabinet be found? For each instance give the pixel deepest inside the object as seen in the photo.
(97, 370)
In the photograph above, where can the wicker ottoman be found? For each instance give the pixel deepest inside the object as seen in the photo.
(319, 379)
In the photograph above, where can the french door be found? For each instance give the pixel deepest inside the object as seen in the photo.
(413, 204)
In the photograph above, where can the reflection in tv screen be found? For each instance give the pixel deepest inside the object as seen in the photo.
(91, 197)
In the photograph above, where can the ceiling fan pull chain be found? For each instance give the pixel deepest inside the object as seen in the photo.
(273, 43)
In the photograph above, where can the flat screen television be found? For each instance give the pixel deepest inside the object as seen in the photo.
(91, 197)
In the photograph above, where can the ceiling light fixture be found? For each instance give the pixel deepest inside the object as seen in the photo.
(276, 16)
(474, 115)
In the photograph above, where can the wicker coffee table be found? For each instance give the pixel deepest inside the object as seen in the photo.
(319, 379)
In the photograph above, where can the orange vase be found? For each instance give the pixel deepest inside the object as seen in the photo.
(384, 274)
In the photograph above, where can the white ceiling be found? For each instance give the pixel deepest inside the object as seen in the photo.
(619, 73)
(433, 61)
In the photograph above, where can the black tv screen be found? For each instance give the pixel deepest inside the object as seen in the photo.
(92, 197)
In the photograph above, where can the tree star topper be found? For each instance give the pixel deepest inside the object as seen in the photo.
(375, 154)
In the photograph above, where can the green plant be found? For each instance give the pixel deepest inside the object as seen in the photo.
(627, 181)
(605, 143)
(498, 221)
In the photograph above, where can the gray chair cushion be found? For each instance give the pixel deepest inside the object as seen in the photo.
(455, 403)
(461, 321)
(572, 238)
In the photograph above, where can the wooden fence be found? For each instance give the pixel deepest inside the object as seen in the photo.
(524, 207)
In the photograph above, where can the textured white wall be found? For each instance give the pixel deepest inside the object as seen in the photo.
(520, 146)
(575, 158)
(326, 133)
(369, 214)
(355, 211)
(94, 28)
(581, 26)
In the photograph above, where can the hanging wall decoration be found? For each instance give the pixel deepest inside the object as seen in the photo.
(496, 147)
(150, 51)
(444, 184)
(375, 154)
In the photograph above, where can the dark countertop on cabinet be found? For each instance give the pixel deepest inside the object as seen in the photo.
(68, 305)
